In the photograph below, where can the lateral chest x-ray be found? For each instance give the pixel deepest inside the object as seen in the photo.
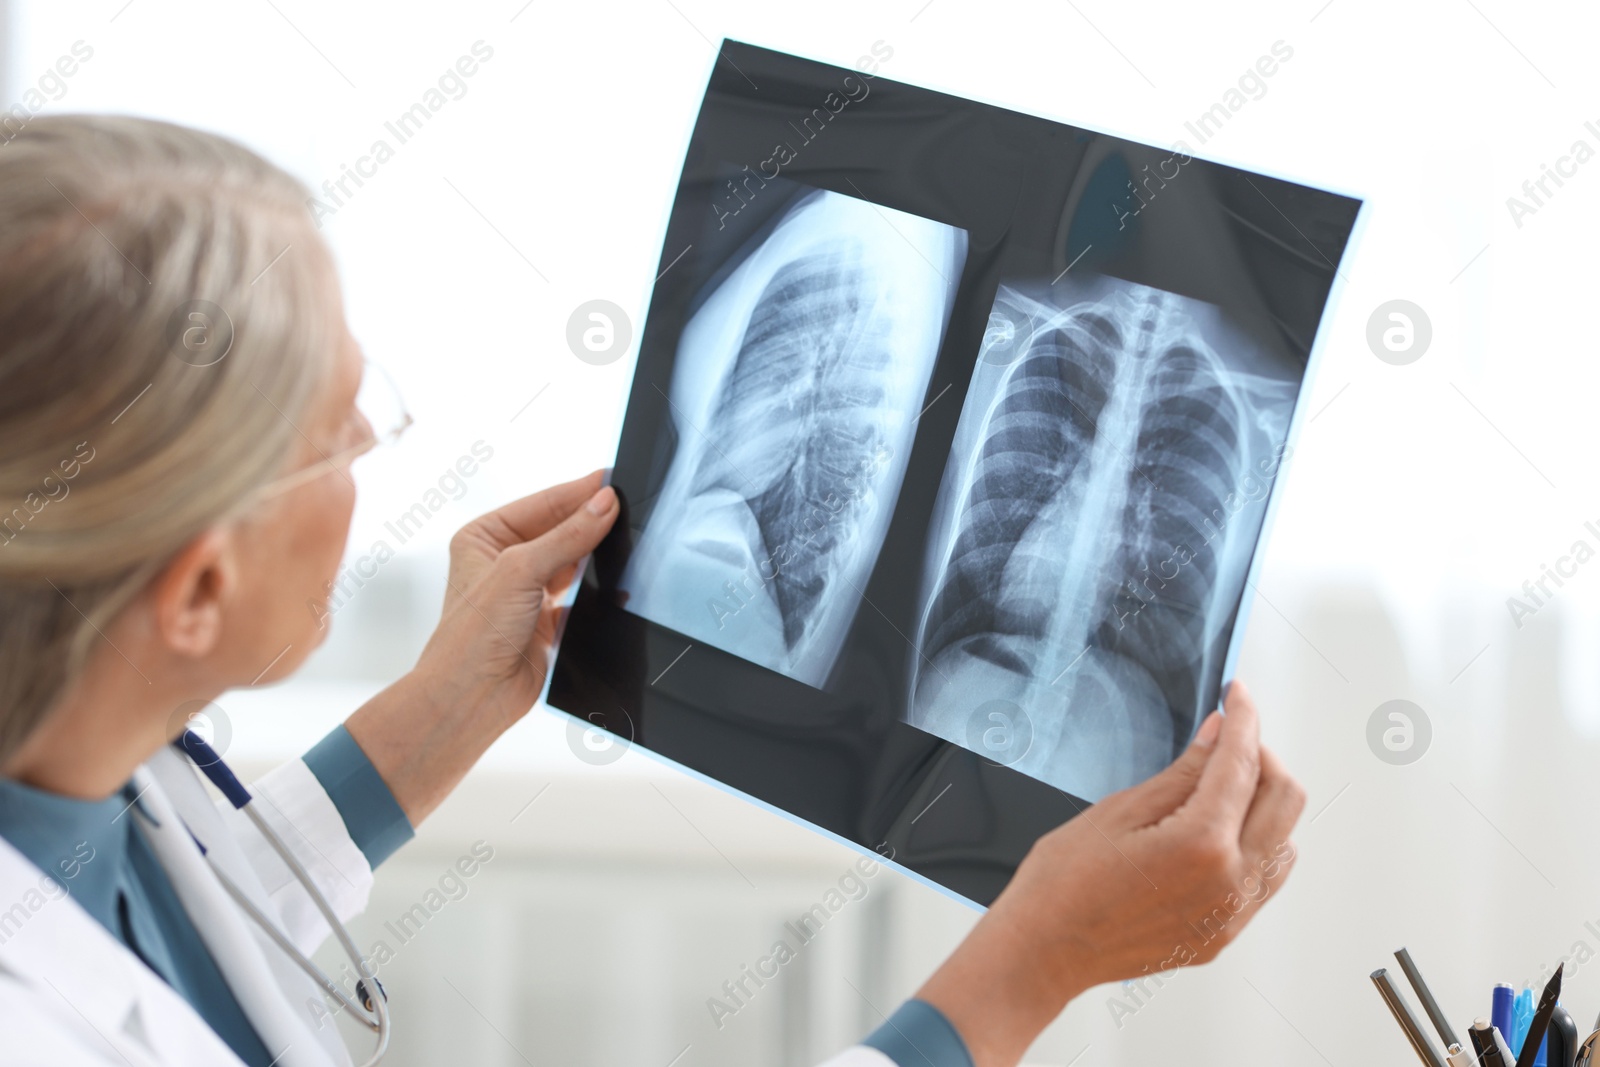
(798, 383)
(953, 436)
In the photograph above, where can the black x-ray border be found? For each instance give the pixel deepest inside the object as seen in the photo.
(1036, 197)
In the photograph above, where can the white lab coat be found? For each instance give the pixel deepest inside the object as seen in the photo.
(71, 994)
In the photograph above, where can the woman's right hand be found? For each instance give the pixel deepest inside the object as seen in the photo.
(1155, 877)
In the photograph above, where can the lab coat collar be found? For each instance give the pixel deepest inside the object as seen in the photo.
(95, 977)
(97, 981)
(60, 966)
(81, 974)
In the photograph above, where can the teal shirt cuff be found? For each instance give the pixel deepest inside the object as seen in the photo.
(918, 1035)
(370, 812)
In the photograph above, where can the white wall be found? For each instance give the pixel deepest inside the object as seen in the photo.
(1421, 496)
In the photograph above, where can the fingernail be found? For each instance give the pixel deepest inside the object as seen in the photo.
(602, 502)
(1206, 736)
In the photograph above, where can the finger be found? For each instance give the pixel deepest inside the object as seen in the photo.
(1228, 783)
(562, 579)
(556, 601)
(536, 564)
(1156, 798)
(549, 624)
(1275, 809)
(535, 515)
(552, 608)
(1264, 876)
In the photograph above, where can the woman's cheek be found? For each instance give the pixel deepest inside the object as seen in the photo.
(323, 519)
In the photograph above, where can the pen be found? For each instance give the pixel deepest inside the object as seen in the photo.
(1489, 1045)
(1478, 1033)
(1500, 1012)
(1425, 995)
(1408, 1022)
(1541, 1019)
(1505, 1049)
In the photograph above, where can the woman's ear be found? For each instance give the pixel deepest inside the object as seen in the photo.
(190, 594)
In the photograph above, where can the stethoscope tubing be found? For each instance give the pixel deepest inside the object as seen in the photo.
(373, 1007)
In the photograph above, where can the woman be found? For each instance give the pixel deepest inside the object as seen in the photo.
(177, 420)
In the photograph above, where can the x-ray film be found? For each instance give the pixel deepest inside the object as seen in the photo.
(1093, 527)
(796, 391)
(952, 440)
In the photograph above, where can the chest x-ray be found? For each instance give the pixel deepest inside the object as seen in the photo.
(796, 391)
(1093, 527)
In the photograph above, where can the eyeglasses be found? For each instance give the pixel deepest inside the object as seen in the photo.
(380, 418)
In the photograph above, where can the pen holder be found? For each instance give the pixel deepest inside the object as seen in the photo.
(1549, 1038)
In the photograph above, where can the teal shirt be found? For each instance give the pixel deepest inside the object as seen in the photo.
(90, 847)
(918, 1035)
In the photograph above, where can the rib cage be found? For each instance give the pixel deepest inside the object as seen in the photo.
(1090, 533)
(1038, 435)
(794, 396)
(1187, 460)
(802, 407)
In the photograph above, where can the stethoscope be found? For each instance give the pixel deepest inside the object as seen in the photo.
(373, 1012)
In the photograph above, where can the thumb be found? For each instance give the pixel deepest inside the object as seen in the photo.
(1155, 798)
(529, 567)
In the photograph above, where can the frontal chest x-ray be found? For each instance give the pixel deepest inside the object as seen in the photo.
(795, 395)
(1093, 526)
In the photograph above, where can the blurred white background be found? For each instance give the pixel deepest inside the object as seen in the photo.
(1420, 498)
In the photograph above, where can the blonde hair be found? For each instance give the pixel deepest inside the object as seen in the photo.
(123, 435)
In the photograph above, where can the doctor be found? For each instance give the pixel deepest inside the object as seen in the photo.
(180, 403)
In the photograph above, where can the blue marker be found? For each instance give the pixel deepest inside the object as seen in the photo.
(1500, 1013)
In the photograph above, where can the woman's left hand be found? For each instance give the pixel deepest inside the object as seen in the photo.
(508, 569)
(485, 664)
